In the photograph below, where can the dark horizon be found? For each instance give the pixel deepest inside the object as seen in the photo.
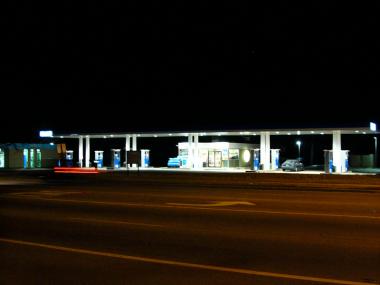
(172, 68)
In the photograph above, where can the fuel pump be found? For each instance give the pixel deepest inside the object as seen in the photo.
(115, 158)
(275, 156)
(144, 158)
(69, 158)
(344, 159)
(256, 159)
(99, 158)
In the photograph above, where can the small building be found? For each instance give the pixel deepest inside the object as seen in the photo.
(218, 155)
(24, 155)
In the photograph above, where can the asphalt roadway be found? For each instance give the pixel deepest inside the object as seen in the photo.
(160, 229)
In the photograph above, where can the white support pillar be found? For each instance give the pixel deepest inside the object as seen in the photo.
(190, 151)
(134, 146)
(127, 148)
(80, 152)
(265, 150)
(337, 149)
(134, 142)
(87, 153)
(262, 148)
(196, 151)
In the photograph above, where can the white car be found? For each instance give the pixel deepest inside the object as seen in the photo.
(292, 165)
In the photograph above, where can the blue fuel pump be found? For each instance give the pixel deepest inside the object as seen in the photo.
(115, 158)
(69, 158)
(144, 158)
(99, 158)
(331, 166)
(256, 159)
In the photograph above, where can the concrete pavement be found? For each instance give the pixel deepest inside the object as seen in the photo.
(131, 233)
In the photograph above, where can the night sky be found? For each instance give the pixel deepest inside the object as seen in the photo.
(195, 65)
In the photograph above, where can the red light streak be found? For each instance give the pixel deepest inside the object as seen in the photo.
(76, 170)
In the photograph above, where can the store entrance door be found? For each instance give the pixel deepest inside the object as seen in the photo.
(218, 159)
(214, 158)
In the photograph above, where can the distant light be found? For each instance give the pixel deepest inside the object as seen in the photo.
(372, 126)
(298, 132)
(46, 134)
(247, 155)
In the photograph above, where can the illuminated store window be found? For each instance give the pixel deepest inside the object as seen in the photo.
(234, 154)
(203, 153)
(183, 152)
(39, 158)
(32, 165)
(225, 154)
(2, 159)
(26, 158)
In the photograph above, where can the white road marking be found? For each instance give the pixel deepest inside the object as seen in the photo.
(185, 264)
(204, 208)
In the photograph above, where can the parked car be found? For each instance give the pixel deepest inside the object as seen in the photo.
(292, 165)
(174, 162)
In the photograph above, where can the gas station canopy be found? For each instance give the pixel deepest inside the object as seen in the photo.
(305, 131)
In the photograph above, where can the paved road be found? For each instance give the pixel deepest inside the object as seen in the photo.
(95, 233)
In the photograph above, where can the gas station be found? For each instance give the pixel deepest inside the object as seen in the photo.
(196, 155)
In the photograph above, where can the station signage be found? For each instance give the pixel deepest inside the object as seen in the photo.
(46, 134)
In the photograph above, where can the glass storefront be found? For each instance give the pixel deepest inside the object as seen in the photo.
(39, 159)
(214, 158)
(26, 158)
(218, 154)
(31, 153)
(233, 154)
(203, 153)
(2, 158)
